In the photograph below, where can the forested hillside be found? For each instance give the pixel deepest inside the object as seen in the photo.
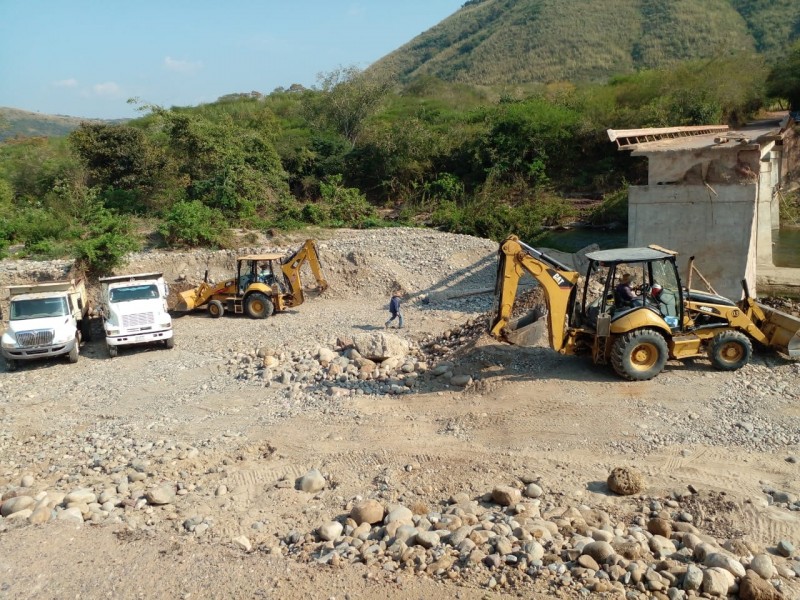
(15, 123)
(505, 42)
(360, 149)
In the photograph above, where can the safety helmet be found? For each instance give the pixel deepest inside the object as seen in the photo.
(655, 291)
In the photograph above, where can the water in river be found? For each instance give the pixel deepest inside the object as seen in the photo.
(785, 248)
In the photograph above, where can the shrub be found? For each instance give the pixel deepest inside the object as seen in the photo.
(348, 206)
(191, 223)
(613, 208)
(109, 238)
(316, 214)
(33, 225)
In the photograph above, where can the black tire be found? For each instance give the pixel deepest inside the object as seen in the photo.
(258, 306)
(72, 357)
(11, 365)
(216, 309)
(169, 343)
(730, 350)
(639, 355)
(112, 350)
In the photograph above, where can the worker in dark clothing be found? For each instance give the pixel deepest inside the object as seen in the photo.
(394, 309)
(623, 293)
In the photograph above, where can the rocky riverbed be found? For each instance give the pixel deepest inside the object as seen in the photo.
(333, 457)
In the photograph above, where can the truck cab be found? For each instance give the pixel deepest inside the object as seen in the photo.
(134, 309)
(45, 320)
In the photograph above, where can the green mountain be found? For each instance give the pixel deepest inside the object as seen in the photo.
(497, 42)
(15, 123)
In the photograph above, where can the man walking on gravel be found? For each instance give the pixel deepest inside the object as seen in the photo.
(394, 308)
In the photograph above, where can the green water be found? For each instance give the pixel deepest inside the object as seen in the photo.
(786, 247)
(572, 240)
(785, 242)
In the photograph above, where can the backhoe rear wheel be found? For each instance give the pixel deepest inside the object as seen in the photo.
(730, 350)
(216, 309)
(639, 355)
(258, 306)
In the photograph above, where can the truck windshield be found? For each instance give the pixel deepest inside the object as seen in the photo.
(38, 308)
(134, 292)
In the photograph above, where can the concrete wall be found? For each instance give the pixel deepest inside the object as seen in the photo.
(719, 230)
(767, 213)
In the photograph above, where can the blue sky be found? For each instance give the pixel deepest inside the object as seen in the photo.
(85, 58)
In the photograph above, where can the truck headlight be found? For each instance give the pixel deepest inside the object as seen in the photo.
(166, 323)
(8, 341)
(111, 331)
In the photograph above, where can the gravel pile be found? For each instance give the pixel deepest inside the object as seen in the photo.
(520, 538)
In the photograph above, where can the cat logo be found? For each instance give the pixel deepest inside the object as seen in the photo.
(562, 283)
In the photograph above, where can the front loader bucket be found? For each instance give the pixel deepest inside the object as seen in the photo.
(782, 330)
(528, 330)
(186, 301)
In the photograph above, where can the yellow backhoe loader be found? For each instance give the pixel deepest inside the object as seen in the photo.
(662, 321)
(264, 283)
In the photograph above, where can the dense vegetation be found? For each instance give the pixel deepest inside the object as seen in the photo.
(357, 151)
(497, 42)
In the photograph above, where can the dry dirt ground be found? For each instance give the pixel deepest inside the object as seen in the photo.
(529, 413)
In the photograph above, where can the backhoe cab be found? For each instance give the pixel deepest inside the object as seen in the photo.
(636, 335)
(263, 284)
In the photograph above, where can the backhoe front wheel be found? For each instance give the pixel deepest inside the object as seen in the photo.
(258, 306)
(639, 355)
(730, 350)
(216, 309)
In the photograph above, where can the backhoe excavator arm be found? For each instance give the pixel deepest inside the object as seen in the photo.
(291, 271)
(557, 282)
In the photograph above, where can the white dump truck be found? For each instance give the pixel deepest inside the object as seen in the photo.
(45, 320)
(134, 309)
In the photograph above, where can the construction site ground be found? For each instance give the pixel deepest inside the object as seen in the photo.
(236, 444)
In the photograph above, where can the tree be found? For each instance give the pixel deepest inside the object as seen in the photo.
(225, 165)
(349, 96)
(784, 79)
(117, 156)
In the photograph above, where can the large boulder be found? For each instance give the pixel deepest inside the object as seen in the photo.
(625, 481)
(753, 587)
(379, 346)
(368, 511)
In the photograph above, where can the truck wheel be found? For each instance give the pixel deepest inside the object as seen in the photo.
(730, 350)
(72, 357)
(216, 309)
(639, 355)
(258, 306)
(11, 365)
(112, 350)
(169, 343)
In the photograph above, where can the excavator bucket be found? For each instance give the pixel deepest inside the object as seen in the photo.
(782, 330)
(528, 330)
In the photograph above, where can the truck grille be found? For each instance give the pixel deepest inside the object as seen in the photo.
(138, 320)
(31, 339)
